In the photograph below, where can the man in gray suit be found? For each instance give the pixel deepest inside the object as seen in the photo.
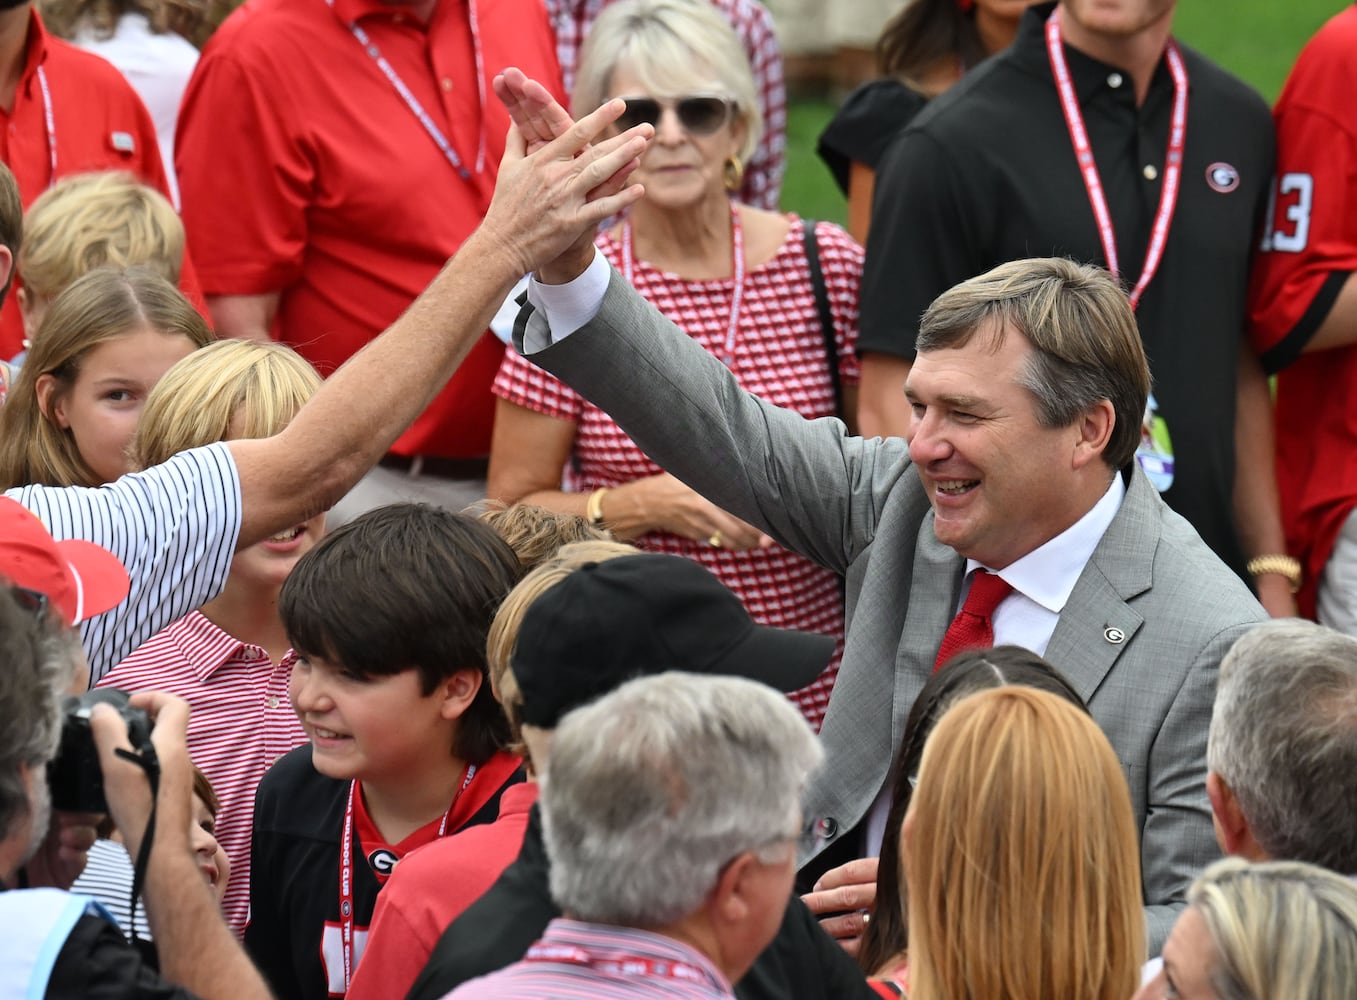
(1027, 400)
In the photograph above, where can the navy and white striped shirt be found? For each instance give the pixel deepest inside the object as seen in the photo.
(108, 878)
(173, 526)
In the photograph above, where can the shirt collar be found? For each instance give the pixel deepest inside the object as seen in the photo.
(1048, 573)
(205, 646)
(1090, 75)
(349, 11)
(35, 49)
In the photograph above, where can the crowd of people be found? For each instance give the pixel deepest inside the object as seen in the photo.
(460, 538)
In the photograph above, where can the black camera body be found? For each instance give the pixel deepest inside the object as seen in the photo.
(75, 777)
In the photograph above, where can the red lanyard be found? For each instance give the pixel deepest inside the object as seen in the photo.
(412, 102)
(736, 266)
(346, 868)
(648, 968)
(1173, 161)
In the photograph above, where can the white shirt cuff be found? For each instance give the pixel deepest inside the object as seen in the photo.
(570, 306)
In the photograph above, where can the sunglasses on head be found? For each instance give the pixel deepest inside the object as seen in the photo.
(699, 114)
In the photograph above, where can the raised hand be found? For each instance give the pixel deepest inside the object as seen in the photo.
(550, 197)
(538, 117)
(126, 785)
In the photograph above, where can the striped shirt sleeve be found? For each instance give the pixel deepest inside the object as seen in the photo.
(173, 526)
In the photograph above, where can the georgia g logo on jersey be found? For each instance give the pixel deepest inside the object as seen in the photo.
(1222, 177)
(382, 861)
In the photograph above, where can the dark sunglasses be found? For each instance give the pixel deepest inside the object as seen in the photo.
(700, 114)
(32, 601)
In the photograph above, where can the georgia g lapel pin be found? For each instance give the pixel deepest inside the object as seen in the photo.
(1114, 635)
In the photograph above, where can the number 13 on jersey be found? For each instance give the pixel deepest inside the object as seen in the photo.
(1288, 214)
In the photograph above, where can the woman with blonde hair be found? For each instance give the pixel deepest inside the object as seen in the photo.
(433, 886)
(1277, 930)
(102, 346)
(774, 297)
(1021, 854)
(229, 658)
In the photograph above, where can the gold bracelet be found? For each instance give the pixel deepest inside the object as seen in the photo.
(593, 507)
(1281, 565)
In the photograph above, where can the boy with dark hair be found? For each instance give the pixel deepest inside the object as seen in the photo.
(388, 618)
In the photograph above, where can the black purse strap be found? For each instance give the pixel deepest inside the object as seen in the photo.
(817, 283)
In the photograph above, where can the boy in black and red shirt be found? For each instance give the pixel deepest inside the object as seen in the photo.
(388, 618)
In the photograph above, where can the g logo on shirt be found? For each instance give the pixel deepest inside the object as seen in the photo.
(1222, 177)
(382, 861)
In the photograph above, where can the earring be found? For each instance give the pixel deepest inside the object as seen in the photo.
(732, 173)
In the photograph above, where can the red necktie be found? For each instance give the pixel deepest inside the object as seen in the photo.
(972, 627)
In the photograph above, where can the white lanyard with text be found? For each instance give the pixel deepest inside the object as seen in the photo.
(1083, 150)
(736, 266)
(653, 968)
(50, 122)
(412, 102)
(346, 869)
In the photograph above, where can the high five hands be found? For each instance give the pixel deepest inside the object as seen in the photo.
(559, 179)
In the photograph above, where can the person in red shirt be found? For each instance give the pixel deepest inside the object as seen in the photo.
(1304, 318)
(331, 156)
(64, 111)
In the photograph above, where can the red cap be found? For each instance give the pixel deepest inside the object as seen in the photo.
(80, 578)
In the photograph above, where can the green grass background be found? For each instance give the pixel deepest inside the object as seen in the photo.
(1257, 40)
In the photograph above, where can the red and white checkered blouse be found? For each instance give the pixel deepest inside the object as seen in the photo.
(571, 20)
(780, 355)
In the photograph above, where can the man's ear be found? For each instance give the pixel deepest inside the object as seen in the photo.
(1233, 832)
(459, 691)
(1095, 426)
(731, 898)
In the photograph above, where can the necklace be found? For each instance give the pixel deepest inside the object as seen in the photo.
(737, 267)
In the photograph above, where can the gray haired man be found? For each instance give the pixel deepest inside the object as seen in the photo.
(671, 810)
(1282, 751)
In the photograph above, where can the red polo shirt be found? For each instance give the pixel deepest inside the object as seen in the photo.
(97, 122)
(303, 171)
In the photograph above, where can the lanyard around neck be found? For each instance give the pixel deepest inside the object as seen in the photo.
(346, 868)
(622, 965)
(412, 102)
(49, 124)
(737, 267)
(1083, 151)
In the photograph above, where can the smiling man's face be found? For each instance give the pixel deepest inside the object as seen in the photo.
(1000, 483)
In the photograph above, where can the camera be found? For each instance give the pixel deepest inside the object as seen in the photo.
(74, 777)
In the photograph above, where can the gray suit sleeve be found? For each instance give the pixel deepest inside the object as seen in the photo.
(807, 483)
(1178, 839)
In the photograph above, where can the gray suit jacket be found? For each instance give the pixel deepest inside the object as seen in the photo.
(857, 506)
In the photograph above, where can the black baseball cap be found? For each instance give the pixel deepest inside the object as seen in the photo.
(609, 622)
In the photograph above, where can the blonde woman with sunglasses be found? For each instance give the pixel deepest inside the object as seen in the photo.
(738, 279)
